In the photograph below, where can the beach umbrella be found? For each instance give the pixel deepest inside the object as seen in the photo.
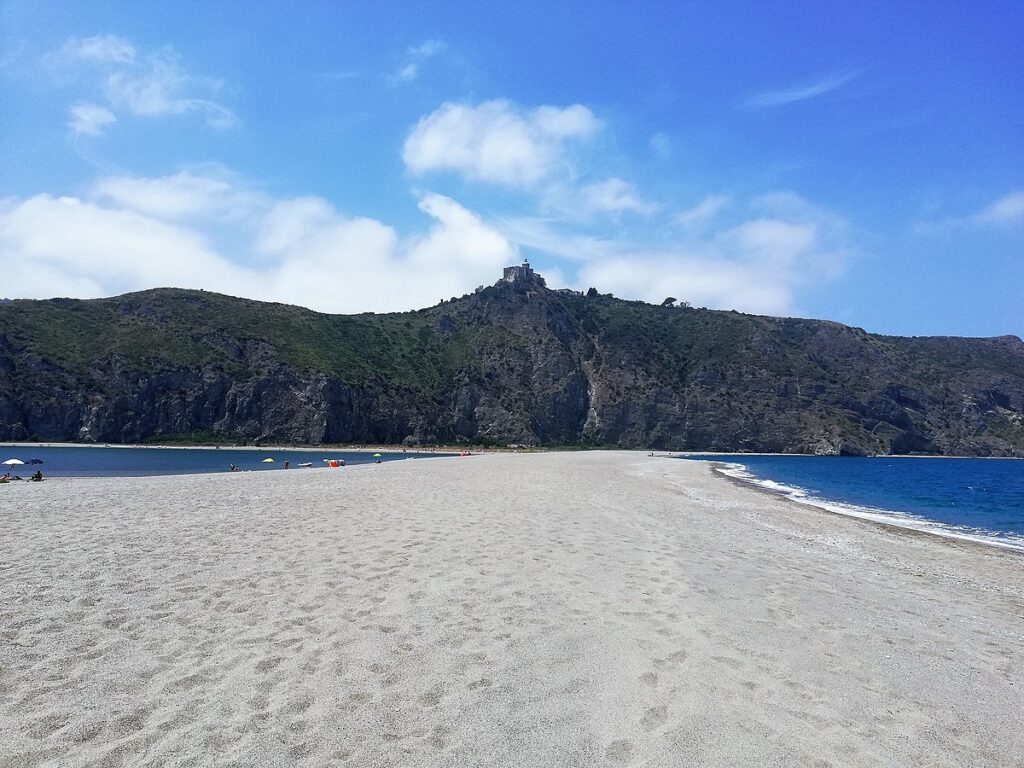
(12, 462)
(34, 461)
(376, 455)
(267, 461)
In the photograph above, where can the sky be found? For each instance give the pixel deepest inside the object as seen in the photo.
(862, 163)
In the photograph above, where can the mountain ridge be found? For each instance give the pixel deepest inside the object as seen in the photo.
(511, 363)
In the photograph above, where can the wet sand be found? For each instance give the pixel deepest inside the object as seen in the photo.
(560, 609)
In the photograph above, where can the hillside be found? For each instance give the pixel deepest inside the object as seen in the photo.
(513, 363)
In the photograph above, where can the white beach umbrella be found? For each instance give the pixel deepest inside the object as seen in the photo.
(12, 462)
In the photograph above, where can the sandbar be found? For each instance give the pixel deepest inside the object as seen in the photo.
(553, 609)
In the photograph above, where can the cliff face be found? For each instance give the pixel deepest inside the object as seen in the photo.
(514, 363)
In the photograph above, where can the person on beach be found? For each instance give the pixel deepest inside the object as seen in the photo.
(37, 477)
(286, 463)
(6, 478)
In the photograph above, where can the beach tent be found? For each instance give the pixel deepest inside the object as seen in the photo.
(267, 461)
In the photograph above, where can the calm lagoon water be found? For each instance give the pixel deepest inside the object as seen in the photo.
(90, 461)
(975, 498)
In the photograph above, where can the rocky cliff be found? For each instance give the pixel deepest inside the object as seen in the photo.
(513, 363)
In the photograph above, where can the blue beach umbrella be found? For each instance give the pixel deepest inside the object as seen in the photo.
(34, 461)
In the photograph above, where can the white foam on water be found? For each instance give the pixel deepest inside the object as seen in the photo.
(887, 516)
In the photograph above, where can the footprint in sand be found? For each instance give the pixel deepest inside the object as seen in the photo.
(620, 752)
(654, 717)
(649, 678)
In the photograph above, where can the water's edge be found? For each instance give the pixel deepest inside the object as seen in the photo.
(740, 473)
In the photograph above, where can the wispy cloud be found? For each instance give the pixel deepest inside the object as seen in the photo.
(89, 119)
(827, 84)
(103, 48)
(1002, 213)
(703, 212)
(1005, 211)
(613, 196)
(145, 84)
(415, 56)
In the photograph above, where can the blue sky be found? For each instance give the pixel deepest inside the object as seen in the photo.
(819, 160)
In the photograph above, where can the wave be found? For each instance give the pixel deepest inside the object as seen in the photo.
(907, 520)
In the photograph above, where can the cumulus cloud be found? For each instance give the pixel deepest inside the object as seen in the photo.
(136, 233)
(185, 194)
(758, 262)
(152, 84)
(496, 141)
(87, 246)
(90, 119)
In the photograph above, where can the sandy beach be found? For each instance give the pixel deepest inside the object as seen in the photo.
(559, 609)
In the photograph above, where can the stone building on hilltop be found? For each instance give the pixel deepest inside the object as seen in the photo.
(520, 273)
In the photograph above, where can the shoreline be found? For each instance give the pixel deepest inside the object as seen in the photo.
(260, 448)
(902, 522)
(479, 449)
(835, 456)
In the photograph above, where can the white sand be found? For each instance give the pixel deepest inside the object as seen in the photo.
(508, 610)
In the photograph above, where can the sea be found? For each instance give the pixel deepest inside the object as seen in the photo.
(116, 461)
(976, 499)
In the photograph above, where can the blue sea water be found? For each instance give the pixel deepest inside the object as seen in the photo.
(98, 461)
(973, 498)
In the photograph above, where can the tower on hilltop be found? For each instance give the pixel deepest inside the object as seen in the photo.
(520, 273)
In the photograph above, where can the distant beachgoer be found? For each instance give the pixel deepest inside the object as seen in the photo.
(286, 463)
(37, 477)
(6, 478)
(233, 468)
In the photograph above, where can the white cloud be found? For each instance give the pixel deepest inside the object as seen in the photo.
(704, 211)
(820, 87)
(150, 85)
(496, 141)
(163, 87)
(614, 195)
(103, 48)
(415, 56)
(90, 119)
(137, 233)
(1004, 212)
(183, 195)
(114, 250)
(756, 263)
(661, 145)
(1008, 209)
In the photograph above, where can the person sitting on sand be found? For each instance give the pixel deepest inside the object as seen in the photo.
(6, 478)
(37, 477)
